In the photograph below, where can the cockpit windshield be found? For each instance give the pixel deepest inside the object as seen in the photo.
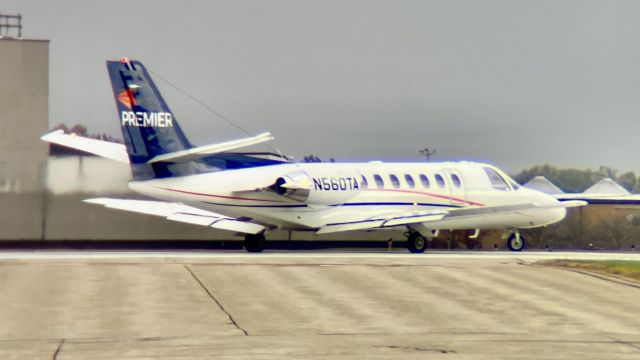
(513, 183)
(496, 180)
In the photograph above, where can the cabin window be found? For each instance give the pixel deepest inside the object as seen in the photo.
(439, 180)
(394, 181)
(379, 182)
(496, 180)
(363, 183)
(424, 180)
(455, 180)
(409, 181)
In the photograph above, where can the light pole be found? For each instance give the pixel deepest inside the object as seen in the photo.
(427, 153)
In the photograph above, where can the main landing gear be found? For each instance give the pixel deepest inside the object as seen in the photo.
(515, 241)
(255, 243)
(416, 243)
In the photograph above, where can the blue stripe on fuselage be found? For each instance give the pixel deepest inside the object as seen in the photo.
(338, 205)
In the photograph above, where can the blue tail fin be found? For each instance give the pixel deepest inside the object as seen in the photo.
(148, 126)
(150, 129)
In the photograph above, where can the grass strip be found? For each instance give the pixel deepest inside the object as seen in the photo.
(619, 268)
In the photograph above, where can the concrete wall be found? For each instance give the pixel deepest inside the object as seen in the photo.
(71, 179)
(24, 113)
(24, 108)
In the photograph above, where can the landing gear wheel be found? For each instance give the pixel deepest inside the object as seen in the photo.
(255, 243)
(515, 242)
(416, 243)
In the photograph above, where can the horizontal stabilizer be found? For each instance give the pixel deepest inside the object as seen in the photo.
(197, 152)
(106, 149)
(180, 213)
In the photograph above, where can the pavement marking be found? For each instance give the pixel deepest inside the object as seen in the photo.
(627, 343)
(58, 350)
(206, 290)
(604, 277)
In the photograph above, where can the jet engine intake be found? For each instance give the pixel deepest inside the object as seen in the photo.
(296, 186)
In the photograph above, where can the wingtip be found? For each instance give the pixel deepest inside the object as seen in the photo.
(48, 135)
(266, 135)
(99, 201)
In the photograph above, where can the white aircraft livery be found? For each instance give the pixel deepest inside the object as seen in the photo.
(252, 193)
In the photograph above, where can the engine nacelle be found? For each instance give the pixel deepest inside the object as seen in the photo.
(320, 187)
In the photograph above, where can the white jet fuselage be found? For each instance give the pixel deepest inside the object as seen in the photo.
(251, 193)
(314, 195)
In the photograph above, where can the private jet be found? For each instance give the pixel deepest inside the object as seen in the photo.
(253, 193)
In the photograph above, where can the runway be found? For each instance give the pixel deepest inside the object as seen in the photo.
(311, 305)
(397, 254)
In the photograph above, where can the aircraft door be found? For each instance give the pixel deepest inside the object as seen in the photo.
(457, 188)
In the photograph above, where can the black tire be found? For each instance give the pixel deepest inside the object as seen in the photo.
(416, 243)
(255, 243)
(514, 244)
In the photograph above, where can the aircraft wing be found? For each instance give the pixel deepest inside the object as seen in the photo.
(425, 217)
(631, 199)
(107, 149)
(181, 213)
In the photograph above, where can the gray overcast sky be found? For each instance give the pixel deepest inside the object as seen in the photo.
(514, 83)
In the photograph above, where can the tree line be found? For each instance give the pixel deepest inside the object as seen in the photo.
(577, 180)
(81, 130)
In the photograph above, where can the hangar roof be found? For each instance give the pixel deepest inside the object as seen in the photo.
(607, 186)
(542, 184)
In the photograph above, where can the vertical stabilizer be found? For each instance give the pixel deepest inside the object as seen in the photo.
(149, 128)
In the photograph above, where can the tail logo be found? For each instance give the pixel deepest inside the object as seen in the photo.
(146, 119)
(125, 97)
